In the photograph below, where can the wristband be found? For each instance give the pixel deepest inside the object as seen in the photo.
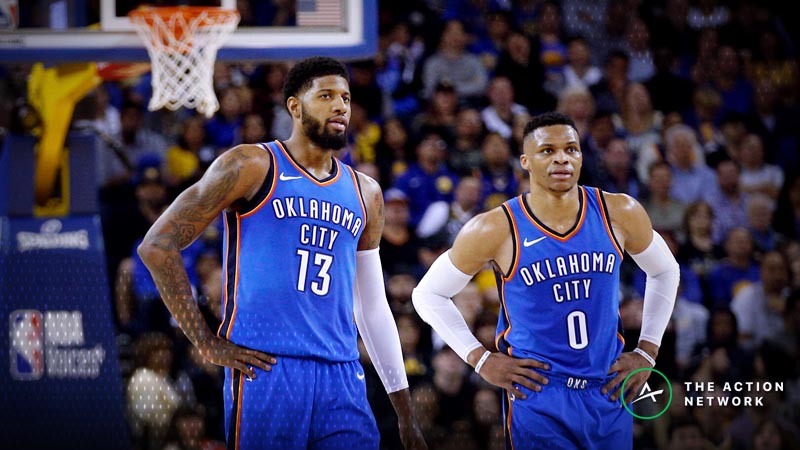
(482, 361)
(646, 356)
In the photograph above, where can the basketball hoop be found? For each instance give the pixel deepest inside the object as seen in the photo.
(182, 42)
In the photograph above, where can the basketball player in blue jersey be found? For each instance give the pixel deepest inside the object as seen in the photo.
(302, 276)
(556, 252)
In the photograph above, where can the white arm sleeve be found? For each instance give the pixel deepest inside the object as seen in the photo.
(375, 321)
(431, 299)
(663, 277)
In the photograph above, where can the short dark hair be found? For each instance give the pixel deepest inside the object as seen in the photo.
(306, 71)
(547, 119)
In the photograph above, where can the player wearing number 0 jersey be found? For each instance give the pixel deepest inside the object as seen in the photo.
(572, 279)
(290, 263)
(557, 251)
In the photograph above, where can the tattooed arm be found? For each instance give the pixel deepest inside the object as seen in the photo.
(374, 317)
(234, 177)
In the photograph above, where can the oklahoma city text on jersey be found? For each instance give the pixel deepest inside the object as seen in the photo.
(312, 234)
(563, 266)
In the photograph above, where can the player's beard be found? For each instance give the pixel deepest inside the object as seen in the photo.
(316, 131)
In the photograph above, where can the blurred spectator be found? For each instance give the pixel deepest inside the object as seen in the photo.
(187, 431)
(704, 116)
(691, 177)
(771, 60)
(777, 127)
(722, 334)
(399, 244)
(593, 145)
(609, 91)
(523, 68)
(666, 213)
(727, 143)
(465, 206)
(417, 363)
(685, 433)
(465, 155)
(364, 88)
(253, 129)
(393, 152)
(498, 116)
(428, 180)
(689, 318)
(440, 114)
(580, 70)
(641, 125)
(427, 408)
(137, 143)
(769, 435)
(787, 215)
(268, 100)
(708, 14)
(489, 45)
(698, 250)
(451, 62)
(399, 74)
(190, 156)
(454, 392)
(365, 135)
(637, 39)
(497, 173)
(736, 270)
(670, 91)
(518, 133)
(223, 130)
(577, 102)
(758, 176)
(127, 215)
(549, 45)
(760, 211)
(486, 412)
(152, 397)
(612, 30)
(730, 82)
(727, 200)
(759, 307)
(617, 174)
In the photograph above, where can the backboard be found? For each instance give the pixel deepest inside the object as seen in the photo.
(72, 30)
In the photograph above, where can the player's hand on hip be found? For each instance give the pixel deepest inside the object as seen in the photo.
(509, 373)
(624, 366)
(223, 352)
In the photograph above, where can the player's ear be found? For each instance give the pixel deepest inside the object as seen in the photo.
(523, 160)
(294, 107)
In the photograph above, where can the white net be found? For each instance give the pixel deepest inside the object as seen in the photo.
(182, 44)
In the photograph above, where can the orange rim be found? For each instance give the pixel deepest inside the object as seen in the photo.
(188, 12)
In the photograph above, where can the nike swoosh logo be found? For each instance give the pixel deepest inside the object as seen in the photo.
(284, 177)
(360, 376)
(528, 243)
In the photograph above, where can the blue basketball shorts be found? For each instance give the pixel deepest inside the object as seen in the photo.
(301, 404)
(568, 413)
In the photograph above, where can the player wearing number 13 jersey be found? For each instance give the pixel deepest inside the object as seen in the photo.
(302, 280)
(557, 251)
(290, 263)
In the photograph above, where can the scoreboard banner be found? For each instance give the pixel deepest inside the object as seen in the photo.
(60, 383)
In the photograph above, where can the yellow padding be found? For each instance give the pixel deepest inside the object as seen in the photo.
(54, 92)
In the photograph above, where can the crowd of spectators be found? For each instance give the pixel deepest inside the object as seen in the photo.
(691, 107)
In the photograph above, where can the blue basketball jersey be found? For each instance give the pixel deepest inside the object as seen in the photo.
(290, 263)
(560, 299)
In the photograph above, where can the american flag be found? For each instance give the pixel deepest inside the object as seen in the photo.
(319, 13)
